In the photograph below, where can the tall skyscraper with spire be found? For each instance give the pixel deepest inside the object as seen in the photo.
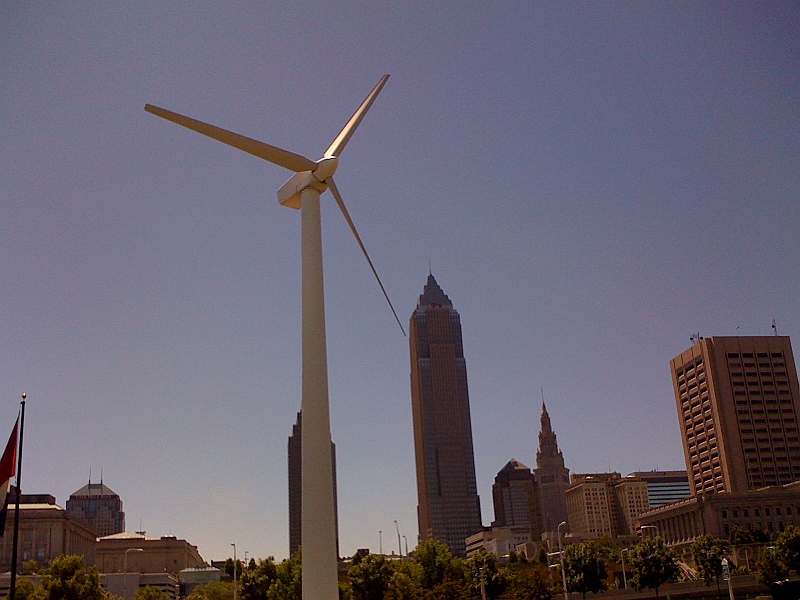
(449, 507)
(552, 476)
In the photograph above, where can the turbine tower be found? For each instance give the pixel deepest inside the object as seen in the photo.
(302, 191)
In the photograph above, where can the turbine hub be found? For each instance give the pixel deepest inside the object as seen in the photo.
(326, 167)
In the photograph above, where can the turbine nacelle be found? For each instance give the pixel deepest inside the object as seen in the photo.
(289, 193)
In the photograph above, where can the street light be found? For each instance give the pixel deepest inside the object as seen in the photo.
(643, 527)
(380, 541)
(561, 551)
(622, 556)
(399, 547)
(125, 573)
(234, 570)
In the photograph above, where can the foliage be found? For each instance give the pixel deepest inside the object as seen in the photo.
(438, 565)
(288, 584)
(214, 590)
(257, 579)
(769, 568)
(31, 567)
(228, 569)
(150, 592)
(542, 556)
(708, 553)
(482, 567)
(531, 583)
(585, 567)
(404, 585)
(653, 564)
(787, 547)
(749, 535)
(26, 590)
(68, 579)
(370, 578)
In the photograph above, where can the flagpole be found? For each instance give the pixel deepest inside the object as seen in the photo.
(13, 588)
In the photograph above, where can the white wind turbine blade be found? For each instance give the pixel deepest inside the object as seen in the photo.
(344, 136)
(340, 202)
(284, 158)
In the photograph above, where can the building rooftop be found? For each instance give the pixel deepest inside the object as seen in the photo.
(94, 489)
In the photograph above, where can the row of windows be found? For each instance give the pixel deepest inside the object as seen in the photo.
(759, 354)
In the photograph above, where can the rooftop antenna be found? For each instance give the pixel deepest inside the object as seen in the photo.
(775, 327)
(695, 338)
(90, 475)
(430, 269)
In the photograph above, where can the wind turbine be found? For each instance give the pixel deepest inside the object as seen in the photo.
(302, 191)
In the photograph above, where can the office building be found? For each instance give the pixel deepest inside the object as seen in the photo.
(605, 504)
(664, 487)
(738, 403)
(516, 499)
(99, 506)
(449, 507)
(552, 476)
(295, 452)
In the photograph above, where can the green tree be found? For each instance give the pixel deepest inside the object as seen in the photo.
(653, 564)
(438, 564)
(405, 584)
(26, 590)
(257, 578)
(769, 568)
(585, 566)
(532, 583)
(369, 579)
(749, 535)
(288, 584)
(541, 557)
(708, 553)
(68, 579)
(482, 567)
(150, 592)
(787, 547)
(214, 590)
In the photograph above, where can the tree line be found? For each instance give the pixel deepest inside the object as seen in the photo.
(432, 572)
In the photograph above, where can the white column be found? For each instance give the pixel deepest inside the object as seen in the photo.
(318, 520)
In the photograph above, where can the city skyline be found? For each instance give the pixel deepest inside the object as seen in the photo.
(593, 183)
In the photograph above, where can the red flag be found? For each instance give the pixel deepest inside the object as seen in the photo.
(8, 468)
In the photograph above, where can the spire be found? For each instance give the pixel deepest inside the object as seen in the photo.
(432, 294)
(546, 426)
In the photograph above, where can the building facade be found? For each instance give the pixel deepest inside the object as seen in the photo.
(46, 531)
(605, 504)
(516, 499)
(770, 509)
(295, 460)
(99, 506)
(166, 554)
(664, 487)
(552, 476)
(449, 506)
(738, 403)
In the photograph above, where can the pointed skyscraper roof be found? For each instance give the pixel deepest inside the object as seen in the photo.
(432, 295)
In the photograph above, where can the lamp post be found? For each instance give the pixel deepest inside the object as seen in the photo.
(561, 552)
(643, 527)
(399, 547)
(622, 557)
(125, 571)
(380, 541)
(234, 570)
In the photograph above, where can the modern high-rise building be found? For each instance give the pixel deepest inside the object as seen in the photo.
(449, 507)
(295, 451)
(516, 499)
(738, 405)
(99, 506)
(664, 487)
(552, 477)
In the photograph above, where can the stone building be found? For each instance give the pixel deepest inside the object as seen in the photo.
(605, 504)
(166, 554)
(552, 476)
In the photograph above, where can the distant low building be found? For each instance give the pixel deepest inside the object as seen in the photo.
(196, 576)
(166, 554)
(46, 531)
(499, 541)
(605, 504)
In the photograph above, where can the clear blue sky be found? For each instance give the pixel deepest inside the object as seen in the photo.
(591, 183)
